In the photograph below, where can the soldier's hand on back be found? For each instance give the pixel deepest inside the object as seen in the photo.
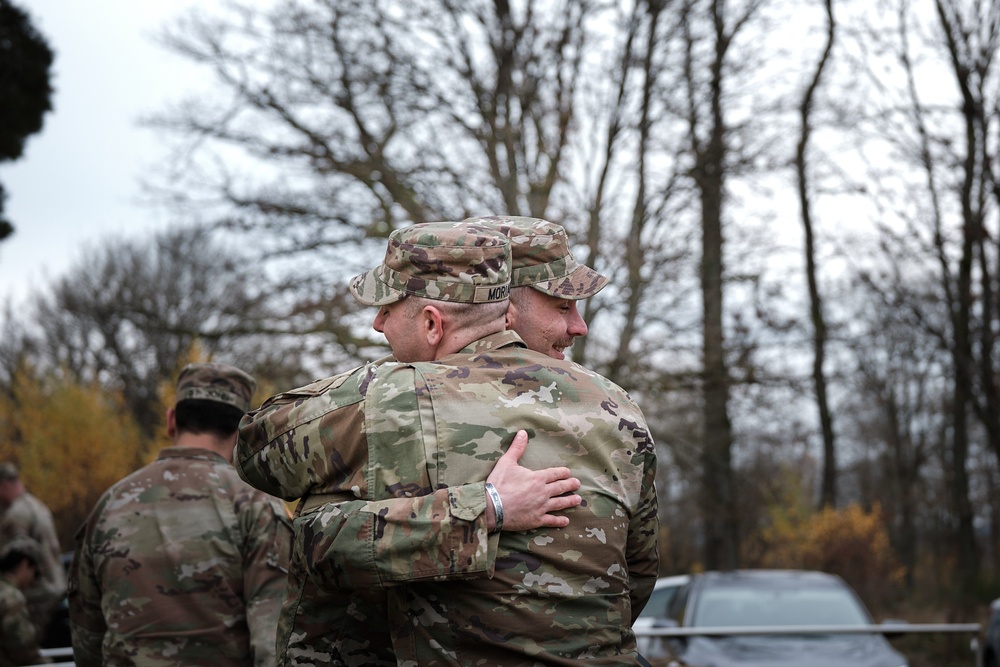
(530, 497)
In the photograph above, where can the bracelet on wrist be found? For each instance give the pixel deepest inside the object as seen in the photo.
(494, 497)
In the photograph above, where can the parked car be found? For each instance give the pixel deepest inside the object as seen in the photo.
(991, 637)
(655, 611)
(751, 600)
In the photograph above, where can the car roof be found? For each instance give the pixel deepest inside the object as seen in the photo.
(767, 580)
(674, 580)
(779, 577)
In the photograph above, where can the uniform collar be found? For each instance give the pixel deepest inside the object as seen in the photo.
(189, 453)
(494, 341)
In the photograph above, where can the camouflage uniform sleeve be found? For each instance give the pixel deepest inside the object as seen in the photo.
(268, 532)
(45, 532)
(642, 547)
(87, 625)
(18, 637)
(407, 529)
(378, 544)
(299, 442)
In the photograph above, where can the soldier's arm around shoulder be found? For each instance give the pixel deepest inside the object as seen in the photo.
(364, 545)
(277, 442)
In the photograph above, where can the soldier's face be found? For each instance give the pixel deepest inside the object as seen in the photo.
(25, 574)
(547, 324)
(397, 323)
(8, 491)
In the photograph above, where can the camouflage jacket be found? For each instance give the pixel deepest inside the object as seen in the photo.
(275, 453)
(407, 430)
(18, 639)
(180, 563)
(29, 516)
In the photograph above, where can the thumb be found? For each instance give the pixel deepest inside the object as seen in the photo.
(517, 448)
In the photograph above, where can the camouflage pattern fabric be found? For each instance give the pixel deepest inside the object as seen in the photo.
(18, 637)
(556, 596)
(181, 563)
(541, 258)
(216, 382)
(445, 261)
(29, 517)
(340, 627)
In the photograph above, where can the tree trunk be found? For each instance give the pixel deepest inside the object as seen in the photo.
(721, 525)
(828, 489)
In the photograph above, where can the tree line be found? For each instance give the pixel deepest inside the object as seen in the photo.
(796, 202)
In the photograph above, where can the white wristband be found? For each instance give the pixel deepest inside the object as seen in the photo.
(491, 491)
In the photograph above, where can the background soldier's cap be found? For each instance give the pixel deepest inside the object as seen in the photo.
(26, 545)
(447, 261)
(541, 258)
(8, 470)
(216, 382)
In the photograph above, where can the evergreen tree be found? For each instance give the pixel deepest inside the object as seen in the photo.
(25, 88)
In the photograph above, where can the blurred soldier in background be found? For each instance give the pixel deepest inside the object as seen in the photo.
(181, 563)
(24, 515)
(19, 568)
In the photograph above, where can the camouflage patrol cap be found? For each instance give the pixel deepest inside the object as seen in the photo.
(446, 261)
(26, 545)
(541, 258)
(216, 382)
(9, 470)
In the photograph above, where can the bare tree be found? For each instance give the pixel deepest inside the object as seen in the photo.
(368, 115)
(649, 129)
(606, 117)
(130, 312)
(828, 488)
(971, 35)
(713, 26)
(939, 208)
(899, 407)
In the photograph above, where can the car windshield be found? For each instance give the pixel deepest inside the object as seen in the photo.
(658, 602)
(757, 606)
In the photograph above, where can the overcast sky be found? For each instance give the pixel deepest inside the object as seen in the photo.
(78, 180)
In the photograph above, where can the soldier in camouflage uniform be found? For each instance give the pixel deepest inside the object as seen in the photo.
(19, 567)
(182, 563)
(405, 437)
(24, 515)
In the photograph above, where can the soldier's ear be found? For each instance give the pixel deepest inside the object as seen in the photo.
(171, 422)
(510, 318)
(431, 323)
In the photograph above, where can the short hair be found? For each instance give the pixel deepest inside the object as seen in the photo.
(473, 316)
(519, 298)
(198, 415)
